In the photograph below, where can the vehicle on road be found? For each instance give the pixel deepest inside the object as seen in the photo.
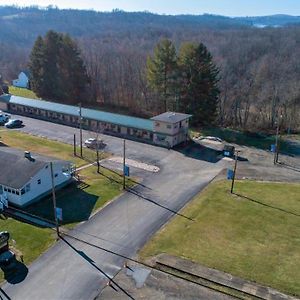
(92, 143)
(14, 124)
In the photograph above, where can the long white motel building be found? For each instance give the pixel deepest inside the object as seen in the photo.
(168, 129)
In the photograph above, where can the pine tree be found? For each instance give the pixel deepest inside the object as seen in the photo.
(162, 72)
(57, 70)
(198, 83)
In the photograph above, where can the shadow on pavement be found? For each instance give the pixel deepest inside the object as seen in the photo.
(200, 152)
(267, 205)
(288, 166)
(156, 203)
(92, 263)
(3, 295)
(15, 273)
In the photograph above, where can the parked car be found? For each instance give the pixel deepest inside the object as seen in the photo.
(4, 118)
(92, 143)
(6, 258)
(14, 124)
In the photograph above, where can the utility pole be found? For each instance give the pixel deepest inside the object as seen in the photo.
(80, 128)
(97, 152)
(124, 164)
(74, 145)
(54, 199)
(276, 153)
(234, 171)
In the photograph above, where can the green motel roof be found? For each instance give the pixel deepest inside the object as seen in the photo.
(87, 113)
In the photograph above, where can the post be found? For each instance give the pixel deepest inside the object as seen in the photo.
(276, 153)
(234, 171)
(74, 145)
(80, 128)
(97, 152)
(124, 164)
(54, 199)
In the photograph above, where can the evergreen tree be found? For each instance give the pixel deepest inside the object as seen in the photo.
(57, 70)
(162, 72)
(198, 83)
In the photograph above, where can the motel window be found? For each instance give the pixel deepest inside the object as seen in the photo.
(5, 189)
(39, 181)
(27, 188)
(169, 126)
(128, 130)
(8, 190)
(22, 191)
(18, 192)
(56, 175)
(13, 191)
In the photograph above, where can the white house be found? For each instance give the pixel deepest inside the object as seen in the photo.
(170, 129)
(26, 178)
(22, 81)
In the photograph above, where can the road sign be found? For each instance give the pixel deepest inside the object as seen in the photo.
(126, 171)
(230, 174)
(59, 213)
(273, 148)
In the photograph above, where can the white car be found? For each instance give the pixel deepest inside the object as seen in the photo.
(92, 143)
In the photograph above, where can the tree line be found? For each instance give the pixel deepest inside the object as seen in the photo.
(258, 70)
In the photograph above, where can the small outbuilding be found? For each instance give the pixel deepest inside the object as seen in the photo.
(22, 81)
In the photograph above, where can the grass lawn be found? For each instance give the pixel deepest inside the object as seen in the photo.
(80, 201)
(30, 240)
(17, 139)
(256, 239)
(22, 92)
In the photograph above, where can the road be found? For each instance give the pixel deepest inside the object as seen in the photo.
(74, 270)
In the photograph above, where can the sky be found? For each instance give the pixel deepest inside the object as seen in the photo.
(220, 7)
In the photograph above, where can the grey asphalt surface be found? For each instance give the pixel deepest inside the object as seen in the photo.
(74, 270)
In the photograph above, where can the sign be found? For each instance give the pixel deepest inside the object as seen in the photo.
(126, 171)
(230, 174)
(273, 148)
(59, 213)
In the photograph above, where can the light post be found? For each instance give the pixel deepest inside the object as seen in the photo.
(80, 128)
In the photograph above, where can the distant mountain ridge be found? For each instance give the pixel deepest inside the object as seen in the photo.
(22, 25)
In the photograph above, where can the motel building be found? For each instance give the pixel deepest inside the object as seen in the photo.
(167, 130)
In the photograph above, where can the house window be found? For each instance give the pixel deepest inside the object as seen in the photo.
(169, 126)
(39, 181)
(27, 188)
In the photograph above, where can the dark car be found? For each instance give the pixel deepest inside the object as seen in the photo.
(6, 258)
(14, 124)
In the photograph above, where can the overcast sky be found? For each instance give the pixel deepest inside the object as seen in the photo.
(221, 7)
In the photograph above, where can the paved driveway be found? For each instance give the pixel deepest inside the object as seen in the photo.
(74, 270)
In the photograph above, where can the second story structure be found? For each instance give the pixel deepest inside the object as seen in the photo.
(170, 128)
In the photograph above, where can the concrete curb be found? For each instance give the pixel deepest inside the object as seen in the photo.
(222, 278)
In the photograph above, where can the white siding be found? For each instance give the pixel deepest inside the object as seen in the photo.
(36, 189)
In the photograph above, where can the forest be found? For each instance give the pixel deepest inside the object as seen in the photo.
(259, 70)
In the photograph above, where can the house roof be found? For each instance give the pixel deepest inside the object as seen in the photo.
(171, 117)
(87, 113)
(26, 72)
(17, 170)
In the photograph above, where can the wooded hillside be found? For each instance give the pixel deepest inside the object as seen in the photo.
(259, 67)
